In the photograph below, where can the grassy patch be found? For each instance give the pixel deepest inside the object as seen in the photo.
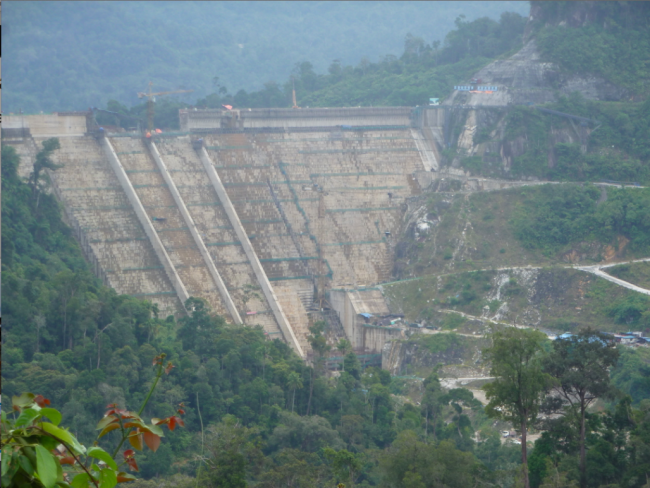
(636, 273)
(560, 299)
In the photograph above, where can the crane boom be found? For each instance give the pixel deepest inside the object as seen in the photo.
(150, 96)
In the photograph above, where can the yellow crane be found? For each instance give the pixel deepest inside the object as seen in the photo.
(150, 101)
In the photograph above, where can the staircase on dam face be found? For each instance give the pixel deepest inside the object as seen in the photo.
(95, 201)
(167, 220)
(217, 233)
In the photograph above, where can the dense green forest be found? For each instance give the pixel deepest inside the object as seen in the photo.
(616, 148)
(612, 43)
(551, 216)
(70, 55)
(255, 414)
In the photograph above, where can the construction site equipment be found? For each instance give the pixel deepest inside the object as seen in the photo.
(151, 100)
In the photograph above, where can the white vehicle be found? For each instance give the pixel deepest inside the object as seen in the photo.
(505, 433)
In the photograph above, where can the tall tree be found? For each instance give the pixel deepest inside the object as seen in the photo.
(294, 382)
(581, 364)
(431, 405)
(234, 452)
(37, 180)
(520, 383)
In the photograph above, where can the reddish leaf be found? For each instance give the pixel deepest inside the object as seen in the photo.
(133, 465)
(173, 420)
(137, 423)
(157, 421)
(123, 477)
(108, 429)
(67, 460)
(180, 411)
(169, 367)
(41, 401)
(136, 441)
(106, 420)
(114, 411)
(129, 457)
(152, 441)
(129, 415)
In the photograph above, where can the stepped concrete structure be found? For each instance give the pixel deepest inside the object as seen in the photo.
(269, 216)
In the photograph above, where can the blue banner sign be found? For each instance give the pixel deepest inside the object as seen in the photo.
(475, 88)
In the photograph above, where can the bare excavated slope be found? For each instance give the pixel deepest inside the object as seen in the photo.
(525, 78)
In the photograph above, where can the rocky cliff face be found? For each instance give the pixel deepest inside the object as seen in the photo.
(525, 78)
(415, 357)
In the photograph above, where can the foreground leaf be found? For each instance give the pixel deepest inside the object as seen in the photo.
(53, 414)
(64, 436)
(26, 417)
(107, 478)
(123, 477)
(99, 453)
(152, 441)
(45, 467)
(80, 481)
(136, 441)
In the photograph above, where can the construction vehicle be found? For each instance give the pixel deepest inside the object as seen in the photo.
(151, 99)
(293, 85)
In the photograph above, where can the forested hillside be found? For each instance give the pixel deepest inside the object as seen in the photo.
(69, 55)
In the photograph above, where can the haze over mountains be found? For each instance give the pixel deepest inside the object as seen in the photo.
(71, 55)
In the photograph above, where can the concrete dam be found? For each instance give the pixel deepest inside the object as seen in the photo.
(266, 214)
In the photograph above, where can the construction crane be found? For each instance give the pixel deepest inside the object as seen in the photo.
(293, 85)
(151, 99)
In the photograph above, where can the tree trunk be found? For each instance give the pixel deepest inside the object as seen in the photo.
(524, 454)
(433, 433)
(583, 453)
(293, 399)
(426, 427)
(311, 389)
(65, 320)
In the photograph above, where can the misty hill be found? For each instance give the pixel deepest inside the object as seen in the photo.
(71, 55)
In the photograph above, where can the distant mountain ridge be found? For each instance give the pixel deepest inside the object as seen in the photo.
(71, 55)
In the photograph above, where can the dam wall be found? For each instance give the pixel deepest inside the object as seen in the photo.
(260, 218)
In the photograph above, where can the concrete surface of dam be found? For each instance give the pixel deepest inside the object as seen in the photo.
(260, 213)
